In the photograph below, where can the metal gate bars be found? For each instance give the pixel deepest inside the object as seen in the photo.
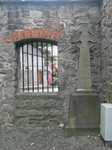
(37, 66)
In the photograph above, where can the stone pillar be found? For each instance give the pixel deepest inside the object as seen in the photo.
(84, 73)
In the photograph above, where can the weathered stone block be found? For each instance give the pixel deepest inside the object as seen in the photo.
(84, 111)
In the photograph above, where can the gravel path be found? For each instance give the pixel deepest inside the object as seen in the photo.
(46, 139)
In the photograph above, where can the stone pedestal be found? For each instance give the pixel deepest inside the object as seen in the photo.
(84, 114)
(84, 110)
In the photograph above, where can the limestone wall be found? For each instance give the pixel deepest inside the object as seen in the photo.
(67, 18)
(106, 28)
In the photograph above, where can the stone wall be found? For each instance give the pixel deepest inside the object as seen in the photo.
(68, 18)
(106, 28)
(7, 84)
(7, 73)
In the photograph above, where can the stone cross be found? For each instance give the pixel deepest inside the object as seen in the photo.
(84, 72)
(84, 114)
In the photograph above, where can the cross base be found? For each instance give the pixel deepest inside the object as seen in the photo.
(84, 111)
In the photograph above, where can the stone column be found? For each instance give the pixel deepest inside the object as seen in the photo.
(84, 73)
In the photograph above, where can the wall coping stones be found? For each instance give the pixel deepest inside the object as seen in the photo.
(52, 2)
(31, 95)
(38, 94)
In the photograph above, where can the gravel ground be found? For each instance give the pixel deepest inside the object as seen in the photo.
(15, 138)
